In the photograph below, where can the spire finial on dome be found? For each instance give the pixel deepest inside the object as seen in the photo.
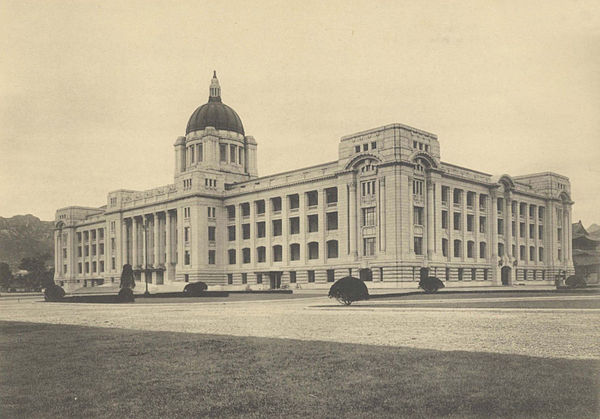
(215, 89)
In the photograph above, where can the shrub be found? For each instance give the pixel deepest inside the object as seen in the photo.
(54, 293)
(431, 284)
(349, 289)
(575, 281)
(195, 288)
(126, 295)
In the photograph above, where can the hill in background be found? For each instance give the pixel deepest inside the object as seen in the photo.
(25, 236)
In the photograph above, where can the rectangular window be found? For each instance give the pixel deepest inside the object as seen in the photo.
(232, 153)
(292, 277)
(231, 233)
(229, 279)
(231, 212)
(418, 241)
(260, 207)
(231, 256)
(277, 253)
(276, 204)
(223, 153)
(212, 233)
(457, 248)
(457, 217)
(460, 274)
(445, 193)
(245, 209)
(369, 246)
(531, 231)
(541, 254)
(444, 219)
(241, 156)
(522, 229)
(245, 231)
(540, 232)
(294, 251)
(418, 215)
(473, 274)
(276, 227)
(500, 227)
(482, 224)
(186, 257)
(418, 187)
(260, 229)
(294, 225)
(200, 152)
(522, 252)
(368, 217)
(470, 246)
(357, 149)
(312, 198)
(244, 278)
(294, 201)
(332, 221)
(313, 223)
(259, 278)
(261, 254)
(186, 234)
(330, 275)
(311, 276)
(113, 263)
(331, 196)
(445, 247)
(245, 255)
(470, 222)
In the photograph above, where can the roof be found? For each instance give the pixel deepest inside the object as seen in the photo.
(215, 114)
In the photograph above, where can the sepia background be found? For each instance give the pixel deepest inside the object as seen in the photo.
(94, 93)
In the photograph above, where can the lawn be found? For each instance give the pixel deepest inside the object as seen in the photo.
(73, 371)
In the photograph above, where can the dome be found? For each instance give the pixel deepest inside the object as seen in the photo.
(215, 113)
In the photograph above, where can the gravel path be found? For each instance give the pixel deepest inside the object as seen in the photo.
(544, 333)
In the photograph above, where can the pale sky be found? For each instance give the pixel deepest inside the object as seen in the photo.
(93, 94)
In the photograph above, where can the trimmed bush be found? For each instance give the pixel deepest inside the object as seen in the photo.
(575, 281)
(349, 289)
(126, 296)
(195, 289)
(431, 284)
(54, 293)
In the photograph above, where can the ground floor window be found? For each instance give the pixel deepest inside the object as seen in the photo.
(259, 278)
(311, 276)
(292, 277)
(330, 275)
(244, 278)
(369, 246)
(229, 279)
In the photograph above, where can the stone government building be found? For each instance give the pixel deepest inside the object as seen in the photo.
(385, 209)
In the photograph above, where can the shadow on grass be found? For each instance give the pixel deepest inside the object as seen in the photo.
(66, 371)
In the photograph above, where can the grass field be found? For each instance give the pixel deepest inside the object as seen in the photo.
(67, 371)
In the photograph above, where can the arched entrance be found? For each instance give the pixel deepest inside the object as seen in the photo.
(505, 275)
(366, 274)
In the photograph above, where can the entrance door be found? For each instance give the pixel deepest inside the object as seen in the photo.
(274, 280)
(505, 275)
(366, 274)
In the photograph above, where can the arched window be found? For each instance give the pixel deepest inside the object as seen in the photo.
(277, 253)
(231, 254)
(457, 248)
(470, 249)
(261, 254)
(332, 249)
(313, 250)
(482, 250)
(246, 255)
(294, 251)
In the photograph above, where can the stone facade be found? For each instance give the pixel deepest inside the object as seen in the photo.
(387, 208)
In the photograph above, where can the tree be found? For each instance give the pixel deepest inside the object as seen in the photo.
(37, 274)
(5, 274)
(349, 289)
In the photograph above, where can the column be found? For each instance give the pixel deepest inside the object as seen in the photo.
(323, 225)
(411, 221)
(157, 260)
(493, 227)
(476, 246)
(168, 240)
(144, 242)
(565, 235)
(463, 223)
(382, 212)
(430, 222)
(134, 246)
(570, 234)
(508, 240)
(352, 217)
(536, 233)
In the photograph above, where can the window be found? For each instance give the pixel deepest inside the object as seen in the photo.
(94, 267)
(540, 232)
(445, 247)
(200, 154)
(100, 249)
(331, 196)
(260, 229)
(312, 198)
(276, 227)
(191, 151)
(485, 274)
(245, 231)
(292, 277)
(369, 246)
(482, 224)
(212, 211)
(531, 231)
(559, 254)
(418, 242)
(277, 253)
(457, 248)
(332, 249)
(187, 184)
(500, 226)
(368, 217)
(211, 257)
(245, 255)
(294, 225)
(330, 275)
(460, 273)
(522, 209)
(241, 155)
(313, 223)
(231, 256)
(457, 217)
(456, 196)
(418, 187)
(444, 219)
(513, 228)
(367, 188)
(311, 276)
(79, 268)
(259, 278)
(186, 234)
(531, 254)
(276, 204)
(294, 201)
(470, 199)
(559, 234)
(500, 205)
(482, 202)
(229, 279)
(445, 193)
(294, 251)
(87, 250)
(357, 149)
(113, 263)
(522, 229)
(79, 251)
(313, 250)
(232, 153)
(245, 277)
(514, 250)
(212, 233)
(482, 250)
(186, 257)
(447, 274)
(260, 206)
(470, 249)
(541, 213)
(332, 221)
(64, 252)
(470, 221)
(223, 152)
(231, 212)
(231, 233)
(418, 215)
(541, 254)
(522, 253)
(261, 254)
(245, 208)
